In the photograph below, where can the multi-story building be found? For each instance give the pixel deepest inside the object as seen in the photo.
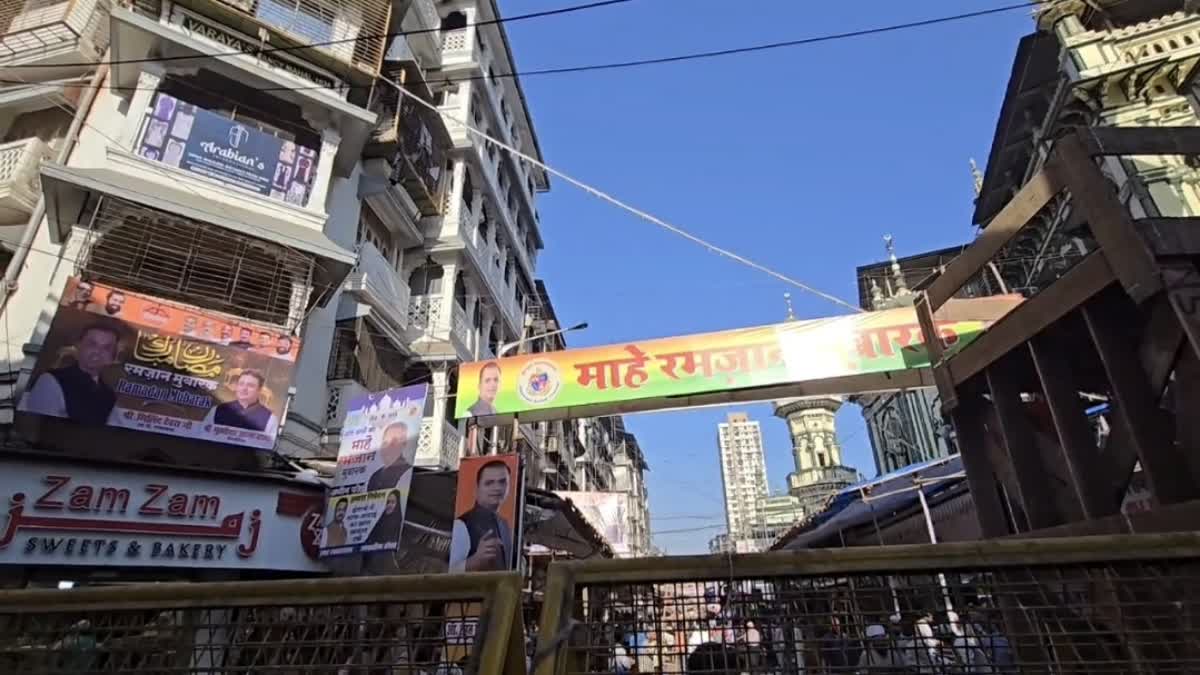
(720, 544)
(629, 469)
(819, 473)
(447, 236)
(744, 475)
(190, 172)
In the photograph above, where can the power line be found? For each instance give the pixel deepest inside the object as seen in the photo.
(832, 37)
(377, 36)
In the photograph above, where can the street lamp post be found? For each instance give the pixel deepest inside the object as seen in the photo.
(505, 348)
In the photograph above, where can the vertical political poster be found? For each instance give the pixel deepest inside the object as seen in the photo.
(364, 512)
(484, 536)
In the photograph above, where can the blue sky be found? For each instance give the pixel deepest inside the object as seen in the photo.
(801, 159)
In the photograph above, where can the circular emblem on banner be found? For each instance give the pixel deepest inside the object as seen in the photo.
(539, 382)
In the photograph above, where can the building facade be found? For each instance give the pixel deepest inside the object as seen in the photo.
(744, 475)
(178, 229)
(1102, 63)
(906, 427)
(812, 424)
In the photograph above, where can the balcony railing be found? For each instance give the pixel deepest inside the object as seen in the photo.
(438, 444)
(352, 33)
(432, 317)
(376, 282)
(20, 184)
(414, 139)
(32, 30)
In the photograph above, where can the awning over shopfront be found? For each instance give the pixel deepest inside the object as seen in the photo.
(67, 190)
(886, 495)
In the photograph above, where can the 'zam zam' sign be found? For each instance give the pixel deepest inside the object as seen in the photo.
(104, 517)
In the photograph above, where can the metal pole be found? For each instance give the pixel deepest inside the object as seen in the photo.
(933, 540)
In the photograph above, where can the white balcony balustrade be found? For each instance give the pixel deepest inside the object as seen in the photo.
(20, 184)
(55, 32)
(375, 282)
(439, 444)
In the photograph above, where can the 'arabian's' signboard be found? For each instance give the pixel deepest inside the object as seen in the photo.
(872, 343)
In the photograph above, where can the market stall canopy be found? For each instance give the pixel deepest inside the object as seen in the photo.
(886, 495)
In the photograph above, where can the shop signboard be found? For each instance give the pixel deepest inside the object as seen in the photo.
(365, 509)
(608, 512)
(117, 358)
(668, 369)
(486, 504)
(72, 514)
(188, 137)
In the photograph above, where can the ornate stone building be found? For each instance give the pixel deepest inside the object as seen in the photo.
(819, 470)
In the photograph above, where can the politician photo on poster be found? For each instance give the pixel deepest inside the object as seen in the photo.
(114, 357)
(485, 514)
(365, 509)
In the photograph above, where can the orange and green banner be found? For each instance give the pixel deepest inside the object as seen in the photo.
(779, 354)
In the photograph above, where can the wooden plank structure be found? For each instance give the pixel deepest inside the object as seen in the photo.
(1123, 324)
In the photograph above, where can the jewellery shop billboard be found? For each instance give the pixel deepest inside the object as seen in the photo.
(121, 359)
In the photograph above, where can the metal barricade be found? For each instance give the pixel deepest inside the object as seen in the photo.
(422, 625)
(1120, 604)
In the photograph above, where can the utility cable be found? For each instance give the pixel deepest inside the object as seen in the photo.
(309, 45)
(604, 196)
(832, 37)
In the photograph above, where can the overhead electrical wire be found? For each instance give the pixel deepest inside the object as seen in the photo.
(309, 45)
(627, 64)
(615, 65)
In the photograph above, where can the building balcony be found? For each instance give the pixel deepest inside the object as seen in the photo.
(440, 328)
(439, 444)
(421, 23)
(337, 402)
(458, 47)
(414, 141)
(41, 34)
(348, 38)
(376, 284)
(20, 181)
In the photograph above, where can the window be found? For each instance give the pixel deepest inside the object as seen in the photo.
(426, 279)
(50, 125)
(372, 230)
(454, 21)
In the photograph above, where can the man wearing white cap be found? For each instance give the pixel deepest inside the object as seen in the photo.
(878, 651)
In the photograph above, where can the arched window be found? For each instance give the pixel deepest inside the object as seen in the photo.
(494, 340)
(454, 21)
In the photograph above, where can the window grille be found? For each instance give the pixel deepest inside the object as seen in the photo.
(171, 257)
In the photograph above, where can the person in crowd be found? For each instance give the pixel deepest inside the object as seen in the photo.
(489, 387)
(77, 391)
(879, 654)
(712, 658)
(397, 452)
(335, 531)
(387, 528)
(482, 538)
(838, 654)
(246, 410)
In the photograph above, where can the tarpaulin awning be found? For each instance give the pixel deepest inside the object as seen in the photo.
(885, 495)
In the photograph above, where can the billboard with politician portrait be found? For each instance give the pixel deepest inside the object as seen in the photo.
(369, 496)
(117, 358)
(484, 536)
(662, 373)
